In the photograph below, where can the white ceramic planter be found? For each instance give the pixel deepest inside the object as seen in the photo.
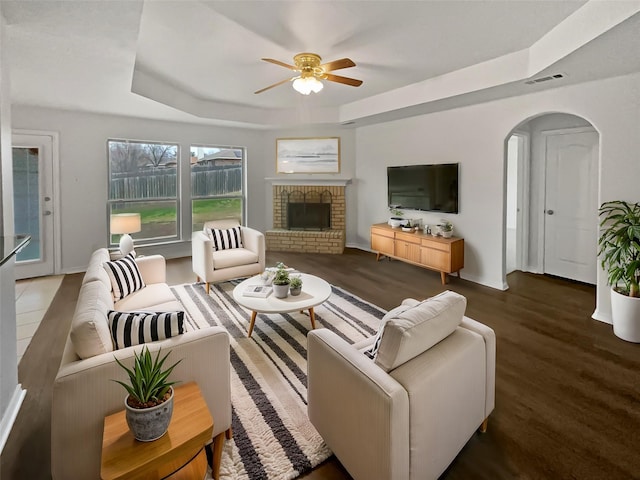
(280, 291)
(625, 314)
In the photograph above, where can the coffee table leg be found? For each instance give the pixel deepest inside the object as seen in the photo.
(253, 321)
(312, 316)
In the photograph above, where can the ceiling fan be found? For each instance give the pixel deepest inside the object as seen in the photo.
(311, 72)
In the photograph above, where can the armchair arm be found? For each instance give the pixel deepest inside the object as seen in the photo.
(254, 240)
(83, 394)
(153, 268)
(202, 255)
(360, 411)
(490, 350)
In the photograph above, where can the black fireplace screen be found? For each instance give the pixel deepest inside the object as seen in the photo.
(310, 211)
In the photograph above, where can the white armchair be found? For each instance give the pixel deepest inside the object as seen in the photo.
(213, 266)
(406, 415)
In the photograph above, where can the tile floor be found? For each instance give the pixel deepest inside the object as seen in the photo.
(33, 297)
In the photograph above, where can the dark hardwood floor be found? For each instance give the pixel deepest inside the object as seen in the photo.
(567, 389)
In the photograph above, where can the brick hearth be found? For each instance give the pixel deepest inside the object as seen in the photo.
(327, 241)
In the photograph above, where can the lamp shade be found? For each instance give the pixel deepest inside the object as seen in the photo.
(306, 85)
(125, 223)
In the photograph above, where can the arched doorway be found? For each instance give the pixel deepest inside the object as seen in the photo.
(551, 198)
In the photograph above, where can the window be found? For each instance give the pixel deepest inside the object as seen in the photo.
(143, 178)
(216, 184)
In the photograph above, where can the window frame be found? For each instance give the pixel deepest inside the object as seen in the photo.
(167, 239)
(243, 193)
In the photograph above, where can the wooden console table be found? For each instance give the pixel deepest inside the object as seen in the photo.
(178, 454)
(445, 255)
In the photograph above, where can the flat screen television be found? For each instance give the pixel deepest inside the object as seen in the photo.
(432, 188)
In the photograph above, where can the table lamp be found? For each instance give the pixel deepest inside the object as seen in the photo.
(125, 223)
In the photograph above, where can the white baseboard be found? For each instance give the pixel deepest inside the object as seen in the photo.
(10, 414)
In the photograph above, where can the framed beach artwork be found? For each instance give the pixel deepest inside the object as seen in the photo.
(308, 155)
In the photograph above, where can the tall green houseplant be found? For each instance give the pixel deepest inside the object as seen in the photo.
(619, 245)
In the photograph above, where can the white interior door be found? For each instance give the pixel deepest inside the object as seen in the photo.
(571, 205)
(33, 203)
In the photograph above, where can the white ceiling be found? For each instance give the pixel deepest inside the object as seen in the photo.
(199, 61)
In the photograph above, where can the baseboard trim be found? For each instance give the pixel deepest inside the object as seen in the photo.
(10, 415)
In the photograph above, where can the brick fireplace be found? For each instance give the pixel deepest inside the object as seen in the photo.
(305, 235)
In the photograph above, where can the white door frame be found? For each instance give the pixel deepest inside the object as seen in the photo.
(55, 190)
(545, 134)
(523, 187)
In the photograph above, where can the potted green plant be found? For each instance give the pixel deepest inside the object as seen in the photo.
(619, 251)
(295, 285)
(396, 220)
(149, 400)
(447, 229)
(281, 282)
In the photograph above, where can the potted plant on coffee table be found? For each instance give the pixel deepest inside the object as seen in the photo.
(619, 251)
(149, 403)
(281, 282)
(295, 285)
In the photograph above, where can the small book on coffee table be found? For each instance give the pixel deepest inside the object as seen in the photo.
(257, 291)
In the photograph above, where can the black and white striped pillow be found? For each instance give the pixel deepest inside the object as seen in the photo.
(225, 239)
(125, 276)
(135, 328)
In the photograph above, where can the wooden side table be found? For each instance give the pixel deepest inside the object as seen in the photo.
(178, 454)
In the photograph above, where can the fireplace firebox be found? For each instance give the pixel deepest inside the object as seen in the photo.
(307, 211)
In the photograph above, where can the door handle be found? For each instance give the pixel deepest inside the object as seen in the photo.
(549, 212)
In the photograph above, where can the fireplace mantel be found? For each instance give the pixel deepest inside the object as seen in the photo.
(332, 182)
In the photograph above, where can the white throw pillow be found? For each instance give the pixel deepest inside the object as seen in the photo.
(125, 276)
(418, 328)
(225, 239)
(135, 328)
(372, 352)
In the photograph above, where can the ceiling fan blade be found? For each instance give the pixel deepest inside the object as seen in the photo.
(347, 81)
(338, 64)
(282, 64)
(274, 85)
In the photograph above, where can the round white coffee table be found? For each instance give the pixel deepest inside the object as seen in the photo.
(314, 292)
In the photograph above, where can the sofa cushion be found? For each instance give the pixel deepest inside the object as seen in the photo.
(89, 329)
(149, 299)
(234, 258)
(135, 328)
(225, 239)
(124, 275)
(419, 327)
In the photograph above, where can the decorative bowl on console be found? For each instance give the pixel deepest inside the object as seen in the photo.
(395, 222)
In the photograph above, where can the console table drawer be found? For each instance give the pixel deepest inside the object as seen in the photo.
(408, 237)
(436, 245)
(385, 232)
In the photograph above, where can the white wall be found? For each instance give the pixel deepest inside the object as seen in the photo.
(475, 137)
(84, 171)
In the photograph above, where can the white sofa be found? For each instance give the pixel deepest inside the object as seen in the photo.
(407, 414)
(211, 266)
(83, 391)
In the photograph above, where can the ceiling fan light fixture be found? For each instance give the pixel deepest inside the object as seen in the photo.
(307, 85)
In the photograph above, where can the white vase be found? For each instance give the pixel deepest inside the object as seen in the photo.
(625, 314)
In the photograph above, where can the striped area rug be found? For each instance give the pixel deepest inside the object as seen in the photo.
(272, 436)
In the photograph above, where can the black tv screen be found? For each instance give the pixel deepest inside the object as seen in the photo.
(432, 188)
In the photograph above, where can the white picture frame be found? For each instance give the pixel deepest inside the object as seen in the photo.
(308, 155)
